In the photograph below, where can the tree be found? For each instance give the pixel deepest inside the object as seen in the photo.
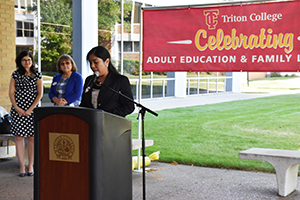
(109, 13)
(56, 31)
(56, 26)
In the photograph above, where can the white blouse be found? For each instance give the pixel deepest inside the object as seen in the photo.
(95, 94)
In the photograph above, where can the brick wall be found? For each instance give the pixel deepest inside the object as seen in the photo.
(7, 49)
(131, 56)
(256, 75)
(136, 29)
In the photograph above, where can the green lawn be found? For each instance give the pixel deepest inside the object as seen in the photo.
(213, 135)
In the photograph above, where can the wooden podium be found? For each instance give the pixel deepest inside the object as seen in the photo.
(81, 153)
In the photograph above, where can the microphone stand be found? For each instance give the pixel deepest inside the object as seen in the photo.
(142, 111)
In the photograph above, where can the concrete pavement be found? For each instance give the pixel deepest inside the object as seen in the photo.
(182, 182)
(165, 181)
(169, 103)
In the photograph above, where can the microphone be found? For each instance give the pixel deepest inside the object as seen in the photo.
(126, 97)
(92, 81)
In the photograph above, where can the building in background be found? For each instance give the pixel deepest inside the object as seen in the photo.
(25, 24)
(131, 37)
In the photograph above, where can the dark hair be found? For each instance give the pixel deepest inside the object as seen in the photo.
(102, 52)
(65, 57)
(20, 67)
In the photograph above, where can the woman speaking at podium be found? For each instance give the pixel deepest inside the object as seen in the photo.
(99, 90)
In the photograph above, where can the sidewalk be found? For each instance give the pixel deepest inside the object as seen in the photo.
(165, 181)
(157, 104)
(169, 103)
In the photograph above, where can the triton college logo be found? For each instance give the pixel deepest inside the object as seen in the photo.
(211, 18)
(64, 147)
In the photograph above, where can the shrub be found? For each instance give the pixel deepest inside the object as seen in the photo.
(132, 67)
(275, 74)
(129, 66)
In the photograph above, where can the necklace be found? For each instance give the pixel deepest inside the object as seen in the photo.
(98, 82)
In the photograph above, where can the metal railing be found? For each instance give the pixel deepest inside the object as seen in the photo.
(151, 87)
(206, 85)
(157, 87)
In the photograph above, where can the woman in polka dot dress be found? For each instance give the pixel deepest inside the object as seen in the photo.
(25, 92)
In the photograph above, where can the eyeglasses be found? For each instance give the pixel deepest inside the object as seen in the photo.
(63, 63)
(24, 60)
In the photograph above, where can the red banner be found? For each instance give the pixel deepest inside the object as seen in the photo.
(259, 37)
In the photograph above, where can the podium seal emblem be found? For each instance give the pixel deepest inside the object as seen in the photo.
(64, 147)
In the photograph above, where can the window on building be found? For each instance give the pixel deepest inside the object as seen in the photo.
(19, 28)
(24, 29)
(127, 46)
(28, 29)
(130, 46)
(136, 46)
(23, 4)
